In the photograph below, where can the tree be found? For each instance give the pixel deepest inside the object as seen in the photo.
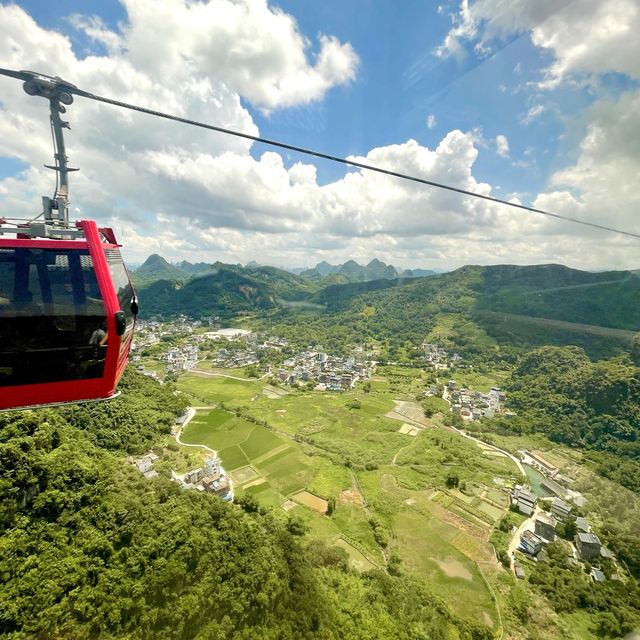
(393, 564)
(567, 529)
(331, 506)
(452, 481)
(635, 349)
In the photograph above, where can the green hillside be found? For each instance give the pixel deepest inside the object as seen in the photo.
(92, 549)
(224, 293)
(477, 308)
(157, 268)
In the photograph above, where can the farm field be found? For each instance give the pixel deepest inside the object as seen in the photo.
(425, 551)
(317, 446)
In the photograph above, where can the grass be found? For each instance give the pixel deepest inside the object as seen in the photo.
(357, 560)
(217, 433)
(259, 442)
(329, 480)
(232, 458)
(214, 389)
(420, 543)
(422, 534)
(478, 381)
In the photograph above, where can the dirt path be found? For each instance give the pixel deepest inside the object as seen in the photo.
(365, 504)
(223, 375)
(190, 414)
(398, 452)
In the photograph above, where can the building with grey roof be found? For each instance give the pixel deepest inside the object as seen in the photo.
(530, 542)
(582, 524)
(524, 500)
(560, 509)
(588, 545)
(545, 526)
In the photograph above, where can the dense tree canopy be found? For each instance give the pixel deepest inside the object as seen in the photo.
(590, 405)
(90, 548)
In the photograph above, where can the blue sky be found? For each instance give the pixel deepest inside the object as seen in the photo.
(511, 83)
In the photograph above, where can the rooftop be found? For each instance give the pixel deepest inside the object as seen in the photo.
(588, 538)
(547, 518)
(561, 504)
(582, 524)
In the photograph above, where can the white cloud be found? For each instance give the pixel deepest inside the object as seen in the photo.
(590, 36)
(502, 146)
(193, 195)
(255, 49)
(532, 114)
(601, 186)
(431, 121)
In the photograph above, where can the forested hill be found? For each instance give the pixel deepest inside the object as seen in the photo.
(224, 294)
(92, 549)
(587, 405)
(475, 308)
(521, 306)
(607, 299)
(155, 268)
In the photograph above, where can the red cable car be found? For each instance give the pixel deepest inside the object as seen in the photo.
(67, 307)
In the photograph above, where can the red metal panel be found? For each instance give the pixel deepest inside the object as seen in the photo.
(117, 349)
(54, 392)
(42, 243)
(111, 304)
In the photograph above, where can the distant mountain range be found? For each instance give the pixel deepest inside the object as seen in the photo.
(351, 271)
(509, 303)
(157, 268)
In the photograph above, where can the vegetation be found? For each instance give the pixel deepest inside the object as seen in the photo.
(616, 605)
(588, 405)
(90, 548)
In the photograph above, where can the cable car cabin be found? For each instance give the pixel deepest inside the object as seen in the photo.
(67, 314)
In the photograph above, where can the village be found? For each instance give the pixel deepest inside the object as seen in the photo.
(554, 516)
(331, 373)
(243, 348)
(210, 478)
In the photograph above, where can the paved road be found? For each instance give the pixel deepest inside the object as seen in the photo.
(190, 413)
(485, 444)
(527, 525)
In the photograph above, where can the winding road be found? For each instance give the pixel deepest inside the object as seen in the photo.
(445, 396)
(190, 413)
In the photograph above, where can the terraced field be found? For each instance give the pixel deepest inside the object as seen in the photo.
(316, 446)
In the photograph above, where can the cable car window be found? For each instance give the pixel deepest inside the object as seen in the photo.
(123, 288)
(52, 317)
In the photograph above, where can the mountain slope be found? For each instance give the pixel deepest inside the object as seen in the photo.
(155, 268)
(224, 292)
(476, 309)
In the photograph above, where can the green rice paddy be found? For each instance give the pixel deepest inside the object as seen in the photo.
(309, 443)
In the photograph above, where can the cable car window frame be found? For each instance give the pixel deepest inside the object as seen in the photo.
(46, 335)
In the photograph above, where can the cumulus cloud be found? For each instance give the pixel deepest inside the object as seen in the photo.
(502, 146)
(590, 36)
(191, 195)
(255, 49)
(601, 186)
(431, 121)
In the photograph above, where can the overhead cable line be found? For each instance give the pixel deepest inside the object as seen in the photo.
(25, 75)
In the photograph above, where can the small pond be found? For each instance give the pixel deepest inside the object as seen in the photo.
(535, 478)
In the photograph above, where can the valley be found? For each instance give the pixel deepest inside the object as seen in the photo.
(386, 471)
(378, 439)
